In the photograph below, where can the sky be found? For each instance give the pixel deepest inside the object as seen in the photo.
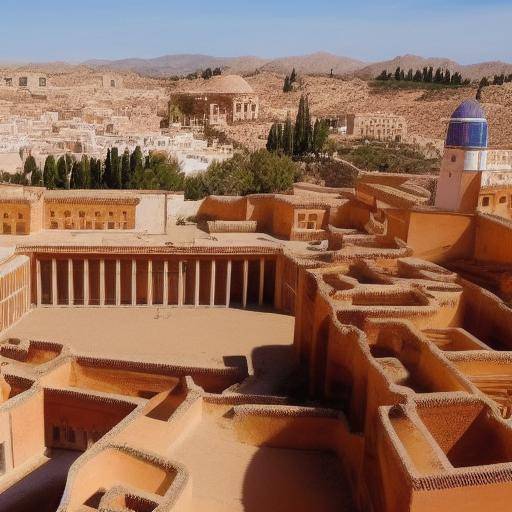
(468, 31)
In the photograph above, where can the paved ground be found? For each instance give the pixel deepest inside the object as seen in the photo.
(200, 337)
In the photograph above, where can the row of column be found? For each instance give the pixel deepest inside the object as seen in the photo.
(181, 283)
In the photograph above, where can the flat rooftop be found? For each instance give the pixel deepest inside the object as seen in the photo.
(231, 476)
(194, 337)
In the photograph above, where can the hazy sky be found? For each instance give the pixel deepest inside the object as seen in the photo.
(465, 30)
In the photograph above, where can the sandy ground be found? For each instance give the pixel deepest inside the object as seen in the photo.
(196, 337)
(229, 476)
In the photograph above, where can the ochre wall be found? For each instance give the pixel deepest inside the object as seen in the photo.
(493, 240)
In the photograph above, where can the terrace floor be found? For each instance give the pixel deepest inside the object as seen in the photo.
(231, 476)
(195, 337)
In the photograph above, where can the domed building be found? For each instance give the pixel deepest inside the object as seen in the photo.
(464, 160)
(218, 101)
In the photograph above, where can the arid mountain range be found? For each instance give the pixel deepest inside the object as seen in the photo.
(316, 63)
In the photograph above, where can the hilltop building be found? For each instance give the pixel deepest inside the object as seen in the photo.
(221, 100)
(377, 126)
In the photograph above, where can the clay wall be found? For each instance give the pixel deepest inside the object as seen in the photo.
(493, 240)
(93, 215)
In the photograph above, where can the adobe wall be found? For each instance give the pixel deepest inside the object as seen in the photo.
(493, 239)
(223, 208)
(151, 213)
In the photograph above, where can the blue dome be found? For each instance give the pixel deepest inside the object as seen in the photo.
(468, 127)
(469, 109)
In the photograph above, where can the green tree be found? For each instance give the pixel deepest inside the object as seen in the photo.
(274, 142)
(62, 180)
(288, 136)
(85, 166)
(320, 136)
(271, 172)
(303, 132)
(107, 174)
(76, 180)
(293, 76)
(207, 74)
(417, 76)
(115, 164)
(36, 178)
(447, 77)
(96, 174)
(383, 76)
(287, 87)
(50, 172)
(438, 77)
(397, 73)
(126, 174)
(410, 75)
(30, 165)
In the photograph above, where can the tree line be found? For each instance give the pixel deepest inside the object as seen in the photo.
(425, 75)
(299, 139)
(132, 170)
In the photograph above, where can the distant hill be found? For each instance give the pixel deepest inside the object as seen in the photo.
(315, 63)
(406, 62)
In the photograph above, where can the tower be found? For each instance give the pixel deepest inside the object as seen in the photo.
(464, 159)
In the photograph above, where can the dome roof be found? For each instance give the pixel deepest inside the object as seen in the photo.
(469, 109)
(225, 84)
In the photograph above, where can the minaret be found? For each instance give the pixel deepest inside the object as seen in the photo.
(464, 159)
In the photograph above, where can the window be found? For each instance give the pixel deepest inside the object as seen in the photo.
(485, 201)
(2, 458)
(81, 214)
(238, 108)
(110, 214)
(111, 225)
(503, 199)
(23, 81)
(52, 213)
(56, 434)
(112, 83)
(67, 213)
(54, 225)
(454, 158)
(8, 82)
(125, 215)
(6, 215)
(42, 82)
(20, 216)
(97, 214)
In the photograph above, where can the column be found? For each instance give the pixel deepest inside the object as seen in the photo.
(86, 282)
(262, 281)
(134, 282)
(212, 284)
(245, 281)
(228, 284)
(150, 282)
(197, 283)
(278, 286)
(38, 282)
(180, 283)
(118, 282)
(71, 284)
(166, 283)
(102, 282)
(54, 282)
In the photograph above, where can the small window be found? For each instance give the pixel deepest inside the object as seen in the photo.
(81, 214)
(111, 225)
(42, 82)
(313, 217)
(8, 82)
(110, 214)
(454, 158)
(112, 83)
(52, 213)
(23, 81)
(20, 216)
(503, 199)
(54, 225)
(301, 217)
(56, 434)
(97, 214)
(485, 201)
(125, 215)
(67, 213)
(6, 215)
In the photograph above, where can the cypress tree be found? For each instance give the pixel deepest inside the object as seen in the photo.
(115, 168)
(36, 178)
(438, 78)
(293, 76)
(287, 87)
(303, 131)
(384, 75)
(136, 160)
(50, 172)
(288, 136)
(397, 73)
(96, 177)
(409, 75)
(125, 169)
(320, 136)
(85, 166)
(417, 76)
(76, 176)
(447, 77)
(62, 180)
(272, 138)
(279, 138)
(29, 165)
(430, 74)
(107, 175)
